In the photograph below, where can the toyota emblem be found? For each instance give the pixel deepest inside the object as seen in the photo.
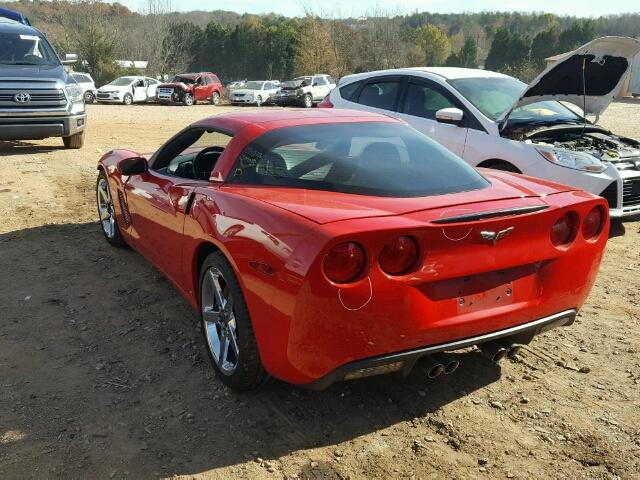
(22, 97)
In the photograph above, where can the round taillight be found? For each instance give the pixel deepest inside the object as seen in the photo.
(344, 262)
(564, 230)
(399, 256)
(593, 223)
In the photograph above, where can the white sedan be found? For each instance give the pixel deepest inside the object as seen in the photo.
(129, 90)
(493, 120)
(255, 92)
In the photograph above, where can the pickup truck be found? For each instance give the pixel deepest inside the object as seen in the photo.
(38, 98)
(305, 91)
(190, 88)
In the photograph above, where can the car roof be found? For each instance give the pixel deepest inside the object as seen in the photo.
(272, 119)
(11, 26)
(447, 73)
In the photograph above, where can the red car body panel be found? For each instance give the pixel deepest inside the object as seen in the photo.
(276, 238)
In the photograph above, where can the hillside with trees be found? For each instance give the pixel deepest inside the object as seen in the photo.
(238, 46)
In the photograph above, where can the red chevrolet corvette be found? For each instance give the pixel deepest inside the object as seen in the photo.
(326, 245)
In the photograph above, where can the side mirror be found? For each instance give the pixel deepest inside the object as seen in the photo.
(453, 116)
(133, 166)
(70, 59)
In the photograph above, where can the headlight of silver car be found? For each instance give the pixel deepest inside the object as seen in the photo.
(74, 93)
(570, 159)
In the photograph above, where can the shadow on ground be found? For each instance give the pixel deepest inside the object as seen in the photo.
(18, 146)
(103, 369)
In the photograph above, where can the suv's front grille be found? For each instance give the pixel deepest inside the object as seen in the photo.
(43, 98)
(610, 194)
(631, 192)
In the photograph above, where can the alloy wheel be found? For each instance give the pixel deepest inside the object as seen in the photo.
(105, 209)
(219, 321)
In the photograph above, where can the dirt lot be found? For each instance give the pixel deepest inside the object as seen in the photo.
(103, 373)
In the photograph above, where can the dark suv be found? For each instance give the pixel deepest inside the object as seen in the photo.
(38, 99)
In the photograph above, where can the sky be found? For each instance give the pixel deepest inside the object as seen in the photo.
(355, 8)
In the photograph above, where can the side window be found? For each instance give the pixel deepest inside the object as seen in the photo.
(424, 101)
(320, 81)
(382, 94)
(331, 80)
(348, 91)
(207, 80)
(215, 79)
(193, 154)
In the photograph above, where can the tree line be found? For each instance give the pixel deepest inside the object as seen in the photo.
(272, 46)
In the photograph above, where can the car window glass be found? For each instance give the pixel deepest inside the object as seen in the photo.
(368, 158)
(424, 101)
(349, 90)
(207, 81)
(382, 94)
(320, 81)
(331, 80)
(177, 157)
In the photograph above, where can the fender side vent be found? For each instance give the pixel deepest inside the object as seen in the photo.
(126, 216)
(610, 194)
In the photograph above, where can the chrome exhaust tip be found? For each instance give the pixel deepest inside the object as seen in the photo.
(493, 351)
(450, 364)
(512, 351)
(432, 367)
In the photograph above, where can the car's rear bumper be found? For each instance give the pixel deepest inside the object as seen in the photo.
(35, 128)
(405, 361)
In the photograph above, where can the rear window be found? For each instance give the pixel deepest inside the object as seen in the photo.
(348, 91)
(367, 158)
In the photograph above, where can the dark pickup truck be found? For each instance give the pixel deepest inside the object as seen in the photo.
(38, 99)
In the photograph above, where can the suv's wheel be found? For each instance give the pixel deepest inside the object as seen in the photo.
(227, 326)
(74, 142)
(259, 100)
(500, 165)
(89, 97)
(106, 212)
(127, 99)
(188, 100)
(308, 101)
(215, 98)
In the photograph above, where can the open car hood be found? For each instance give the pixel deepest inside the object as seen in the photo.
(605, 62)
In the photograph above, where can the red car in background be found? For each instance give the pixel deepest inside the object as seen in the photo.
(327, 245)
(190, 88)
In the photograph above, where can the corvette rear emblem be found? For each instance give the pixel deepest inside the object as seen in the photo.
(493, 237)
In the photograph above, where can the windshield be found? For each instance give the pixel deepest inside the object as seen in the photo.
(493, 96)
(254, 85)
(122, 81)
(17, 49)
(367, 158)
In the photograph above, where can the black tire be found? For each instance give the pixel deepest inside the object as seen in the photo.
(501, 165)
(188, 100)
(215, 98)
(259, 100)
(307, 101)
(116, 238)
(89, 97)
(74, 142)
(249, 373)
(127, 99)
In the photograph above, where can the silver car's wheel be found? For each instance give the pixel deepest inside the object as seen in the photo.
(220, 321)
(308, 101)
(106, 211)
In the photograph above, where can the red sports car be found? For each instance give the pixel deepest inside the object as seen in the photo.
(326, 245)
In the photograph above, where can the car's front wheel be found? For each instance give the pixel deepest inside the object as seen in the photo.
(188, 100)
(215, 98)
(89, 97)
(308, 101)
(227, 326)
(106, 212)
(127, 99)
(74, 142)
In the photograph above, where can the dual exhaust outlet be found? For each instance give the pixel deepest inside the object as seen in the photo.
(496, 350)
(441, 364)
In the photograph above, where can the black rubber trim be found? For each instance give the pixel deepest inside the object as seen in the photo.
(474, 217)
(530, 329)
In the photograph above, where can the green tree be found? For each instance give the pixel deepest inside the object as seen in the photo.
(507, 50)
(574, 36)
(434, 43)
(544, 45)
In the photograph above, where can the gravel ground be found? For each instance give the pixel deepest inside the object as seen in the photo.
(103, 373)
